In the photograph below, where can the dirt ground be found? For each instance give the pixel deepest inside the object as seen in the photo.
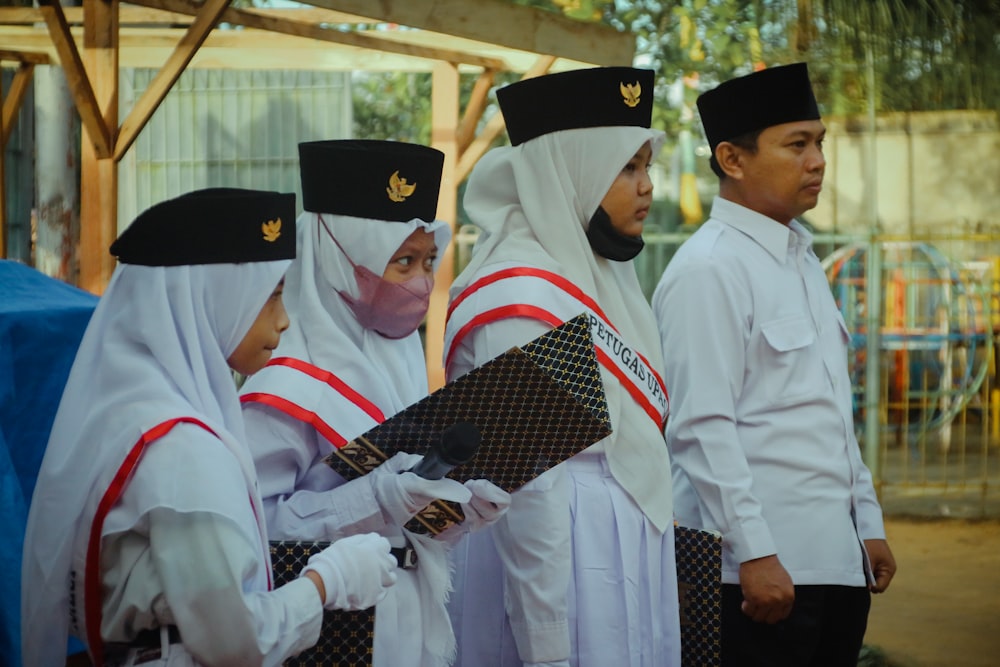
(943, 607)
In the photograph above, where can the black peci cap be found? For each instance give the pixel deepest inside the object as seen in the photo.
(381, 180)
(212, 226)
(757, 101)
(596, 97)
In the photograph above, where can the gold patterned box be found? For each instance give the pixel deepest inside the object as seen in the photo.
(699, 585)
(534, 406)
(345, 638)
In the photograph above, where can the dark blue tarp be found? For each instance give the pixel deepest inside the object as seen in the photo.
(41, 323)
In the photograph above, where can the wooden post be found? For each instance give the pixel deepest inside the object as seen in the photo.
(99, 172)
(3, 181)
(11, 104)
(444, 129)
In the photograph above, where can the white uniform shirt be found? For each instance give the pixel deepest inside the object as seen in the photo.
(304, 498)
(355, 378)
(761, 433)
(531, 203)
(179, 514)
(190, 568)
(534, 548)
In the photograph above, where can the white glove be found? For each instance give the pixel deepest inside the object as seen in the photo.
(489, 502)
(356, 571)
(399, 462)
(400, 495)
(555, 663)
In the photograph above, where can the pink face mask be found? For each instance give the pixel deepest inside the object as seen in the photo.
(393, 310)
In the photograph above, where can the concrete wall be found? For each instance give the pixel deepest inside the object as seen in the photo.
(934, 172)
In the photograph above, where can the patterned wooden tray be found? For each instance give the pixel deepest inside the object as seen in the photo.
(534, 406)
(699, 583)
(346, 637)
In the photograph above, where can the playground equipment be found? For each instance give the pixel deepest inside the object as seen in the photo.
(935, 339)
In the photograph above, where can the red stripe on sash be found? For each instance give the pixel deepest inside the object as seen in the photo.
(335, 382)
(656, 374)
(501, 313)
(297, 412)
(92, 586)
(629, 385)
(527, 272)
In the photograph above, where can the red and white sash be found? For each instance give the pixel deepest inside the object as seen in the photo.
(315, 396)
(506, 292)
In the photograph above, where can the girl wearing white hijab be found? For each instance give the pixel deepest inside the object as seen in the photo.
(146, 534)
(367, 251)
(581, 569)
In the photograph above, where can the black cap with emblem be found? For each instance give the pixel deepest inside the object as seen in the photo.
(772, 96)
(365, 178)
(211, 226)
(596, 97)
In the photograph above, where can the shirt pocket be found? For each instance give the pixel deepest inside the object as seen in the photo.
(792, 363)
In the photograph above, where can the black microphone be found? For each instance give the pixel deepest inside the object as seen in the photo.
(458, 444)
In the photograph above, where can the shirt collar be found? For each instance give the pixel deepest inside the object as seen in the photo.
(770, 234)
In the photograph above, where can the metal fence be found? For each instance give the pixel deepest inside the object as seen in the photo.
(927, 397)
(228, 128)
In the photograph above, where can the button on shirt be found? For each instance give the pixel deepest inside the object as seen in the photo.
(761, 431)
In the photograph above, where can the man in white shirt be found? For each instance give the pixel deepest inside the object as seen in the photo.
(761, 433)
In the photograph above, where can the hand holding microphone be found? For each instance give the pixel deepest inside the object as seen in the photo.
(422, 480)
(458, 444)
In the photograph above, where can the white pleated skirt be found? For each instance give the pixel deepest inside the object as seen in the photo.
(622, 590)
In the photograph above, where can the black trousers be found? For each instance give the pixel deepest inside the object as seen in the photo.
(825, 629)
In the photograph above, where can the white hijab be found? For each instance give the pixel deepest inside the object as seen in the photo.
(155, 349)
(391, 373)
(532, 203)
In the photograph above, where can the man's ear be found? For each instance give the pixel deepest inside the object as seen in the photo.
(730, 159)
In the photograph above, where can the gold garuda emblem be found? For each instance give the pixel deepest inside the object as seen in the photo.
(272, 230)
(631, 92)
(399, 189)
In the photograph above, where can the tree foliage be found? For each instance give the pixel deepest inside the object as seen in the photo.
(392, 105)
(925, 54)
(918, 54)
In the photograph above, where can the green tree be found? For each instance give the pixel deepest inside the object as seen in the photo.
(392, 105)
(923, 54)
(397, 105)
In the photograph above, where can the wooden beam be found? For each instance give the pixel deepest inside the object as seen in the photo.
(164, 80)
(132, 15)
(477, 149)
(315, 15)
(99, 171)
(253, 49)
(363, 40)
(12, 101)
(494, 126)
(25, 57)
(76, 77)
(3, 181)
(500, 22)
(444, 121)
(100, 57)
(474, 110)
